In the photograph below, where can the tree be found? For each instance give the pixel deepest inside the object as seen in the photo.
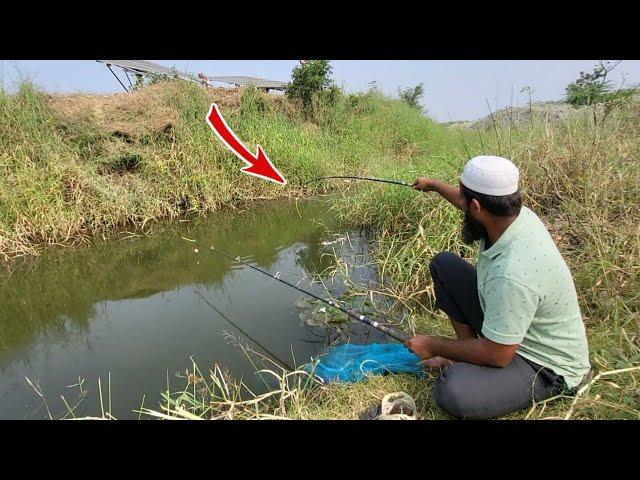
(593, 87)
(308, 79)
(412, 95)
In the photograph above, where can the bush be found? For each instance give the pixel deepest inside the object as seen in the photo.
(309, 80)
(412, 95)
(592, 88)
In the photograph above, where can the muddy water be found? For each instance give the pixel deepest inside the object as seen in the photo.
(132, 312)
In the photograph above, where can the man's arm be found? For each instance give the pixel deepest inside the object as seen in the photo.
(502, 332)
(449, 192)
(480, 351)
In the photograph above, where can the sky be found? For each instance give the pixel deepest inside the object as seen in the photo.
(454, 89)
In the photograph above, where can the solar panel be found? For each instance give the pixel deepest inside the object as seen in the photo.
(143, 66)
(257, 82)
(146, 67)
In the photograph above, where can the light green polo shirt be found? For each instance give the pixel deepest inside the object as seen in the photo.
(528, 297)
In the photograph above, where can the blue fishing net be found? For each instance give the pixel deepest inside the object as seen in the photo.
(354, 363)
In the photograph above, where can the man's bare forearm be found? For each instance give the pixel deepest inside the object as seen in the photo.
(472, 350)
(451, 193)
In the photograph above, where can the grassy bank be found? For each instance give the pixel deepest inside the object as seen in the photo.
(582, 176)
(73, 166)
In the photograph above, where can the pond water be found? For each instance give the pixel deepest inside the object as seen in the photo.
(132, 312)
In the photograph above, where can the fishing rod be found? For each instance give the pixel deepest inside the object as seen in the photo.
(393, 333)
(382, 180)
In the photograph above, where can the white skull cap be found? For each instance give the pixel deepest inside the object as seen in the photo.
(490, 175)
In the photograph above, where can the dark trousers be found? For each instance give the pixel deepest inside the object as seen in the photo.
(466, 390)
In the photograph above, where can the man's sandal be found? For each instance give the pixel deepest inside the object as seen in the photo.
(394, 406)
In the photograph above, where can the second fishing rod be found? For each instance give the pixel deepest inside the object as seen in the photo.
(393, 333)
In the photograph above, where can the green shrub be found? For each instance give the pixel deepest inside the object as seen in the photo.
(411, 95)
(309, 79)
(592, 88)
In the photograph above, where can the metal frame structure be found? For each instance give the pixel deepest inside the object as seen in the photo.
(260, 83)
(144, 67)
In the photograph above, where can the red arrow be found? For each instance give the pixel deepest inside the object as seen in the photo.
(258, 165)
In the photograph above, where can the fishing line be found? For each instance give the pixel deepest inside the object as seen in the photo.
(278, 360)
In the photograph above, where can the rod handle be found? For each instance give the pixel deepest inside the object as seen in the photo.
(392, 332)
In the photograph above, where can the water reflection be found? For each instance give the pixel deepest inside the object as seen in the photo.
(64, 289)
(138, 308)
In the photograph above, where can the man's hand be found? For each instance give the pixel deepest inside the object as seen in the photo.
(423, 184)
(420, 346)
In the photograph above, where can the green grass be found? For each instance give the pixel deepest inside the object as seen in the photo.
(66, 177)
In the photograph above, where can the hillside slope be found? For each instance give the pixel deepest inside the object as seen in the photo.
(76, 165)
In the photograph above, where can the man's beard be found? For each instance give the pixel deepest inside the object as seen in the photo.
(472, 230)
